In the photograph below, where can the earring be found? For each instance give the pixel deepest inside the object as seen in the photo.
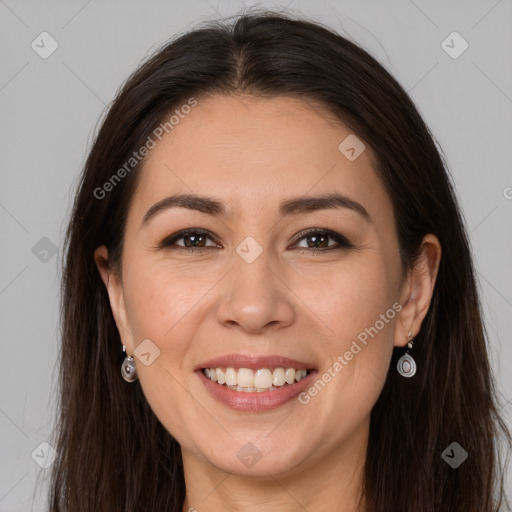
(128, 368)
(406, 364)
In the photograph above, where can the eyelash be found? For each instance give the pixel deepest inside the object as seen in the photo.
(343, 243)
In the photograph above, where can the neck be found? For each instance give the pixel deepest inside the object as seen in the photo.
(331, 482)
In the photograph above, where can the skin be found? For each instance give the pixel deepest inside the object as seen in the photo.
(252, 154)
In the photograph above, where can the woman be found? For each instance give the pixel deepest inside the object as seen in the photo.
(269, 301)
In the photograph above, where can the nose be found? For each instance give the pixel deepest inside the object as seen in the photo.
(256, 297)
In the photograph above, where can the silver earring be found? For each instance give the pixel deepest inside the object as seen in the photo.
(128, 368)
(406, 364)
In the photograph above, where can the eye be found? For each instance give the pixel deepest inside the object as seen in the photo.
(320, 240)
(195, 240)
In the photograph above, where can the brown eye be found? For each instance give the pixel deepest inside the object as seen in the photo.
(318, 240)
(194, 239)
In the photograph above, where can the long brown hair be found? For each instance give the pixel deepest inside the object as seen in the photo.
(113, 453)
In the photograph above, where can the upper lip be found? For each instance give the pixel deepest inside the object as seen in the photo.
(253, 362)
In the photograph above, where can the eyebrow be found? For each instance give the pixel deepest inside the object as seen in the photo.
(293, 206)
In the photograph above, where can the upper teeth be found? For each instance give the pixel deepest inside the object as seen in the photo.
(250, 380)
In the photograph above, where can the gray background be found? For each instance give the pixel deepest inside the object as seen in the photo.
(50, 107)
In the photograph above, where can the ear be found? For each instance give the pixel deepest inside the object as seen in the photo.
(115, 292)
(417, 290)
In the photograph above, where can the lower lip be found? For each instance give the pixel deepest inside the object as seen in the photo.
(257, 400)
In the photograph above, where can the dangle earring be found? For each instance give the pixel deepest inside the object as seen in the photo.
(406, 364)
(128, 369)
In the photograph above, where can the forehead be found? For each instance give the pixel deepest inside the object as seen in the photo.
(254, 153)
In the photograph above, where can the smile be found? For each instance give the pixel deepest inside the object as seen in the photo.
(260, 380)
(262, 395)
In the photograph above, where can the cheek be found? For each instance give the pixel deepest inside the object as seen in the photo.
(350, 298)
(161, 300)
(160, 307)
(359, 308)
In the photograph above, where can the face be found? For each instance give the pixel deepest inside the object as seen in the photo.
(250, 285)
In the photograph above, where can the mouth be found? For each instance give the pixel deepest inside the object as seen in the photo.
(247, 380)
(248, 383)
